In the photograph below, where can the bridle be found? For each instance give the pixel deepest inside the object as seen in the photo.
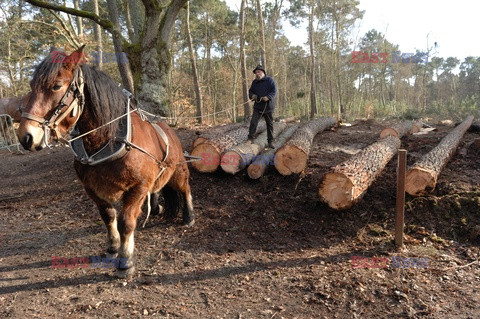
(76, 107)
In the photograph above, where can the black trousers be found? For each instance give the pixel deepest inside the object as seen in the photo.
(254, 123)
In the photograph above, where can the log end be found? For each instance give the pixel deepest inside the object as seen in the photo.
(255, 171)
(419, 181)
(199, 140)
(210, 158)
(337, 191)
(290, 159)
(388, 132)
(231, 162)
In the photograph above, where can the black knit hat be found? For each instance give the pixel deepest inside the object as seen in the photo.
(261, 68)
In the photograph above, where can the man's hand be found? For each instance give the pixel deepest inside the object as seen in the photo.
(265, 99)
(254, 97)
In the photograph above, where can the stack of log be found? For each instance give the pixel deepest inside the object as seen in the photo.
(422, 176)
(211, 150)
(259, 165)
(293, 155)
(239, 156)
(347, 182)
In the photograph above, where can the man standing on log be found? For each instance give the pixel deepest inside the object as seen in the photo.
(263, 91)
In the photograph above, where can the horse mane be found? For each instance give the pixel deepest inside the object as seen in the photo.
(104, 99)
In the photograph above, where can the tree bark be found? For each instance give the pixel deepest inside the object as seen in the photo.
(422, 176)
(348, 181)
(292, 157)
(398, 129)
(258, 167)
(214, 132)
(238, 157)
(193, 61)
(211, 150)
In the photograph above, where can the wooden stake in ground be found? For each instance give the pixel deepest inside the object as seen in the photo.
(259, 165)
(400, 202)
(348, 181)
(422, 176)
(400, 129)
(292, 157)
(239, 156)
(215, 132)
(211, 150)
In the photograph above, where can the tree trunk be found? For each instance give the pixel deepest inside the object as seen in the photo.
(193, 61)
(243, 63)
(348, 181)
(76, 5)
(422, 176)
(214, 132)
(262, 33)
(97, 30)
(238, 157)
(398, 129)
(313, 88)
(292, 157)
(211, 150)
(258, 167)
(123, 66)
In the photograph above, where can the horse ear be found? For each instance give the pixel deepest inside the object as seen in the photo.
(77, 57)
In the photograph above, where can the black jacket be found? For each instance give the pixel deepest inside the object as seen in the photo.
(264, 87)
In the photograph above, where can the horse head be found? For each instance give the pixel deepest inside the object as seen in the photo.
(56, 100)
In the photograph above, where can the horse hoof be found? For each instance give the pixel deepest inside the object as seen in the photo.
(111, 255)
(124, 273)
(189, 224)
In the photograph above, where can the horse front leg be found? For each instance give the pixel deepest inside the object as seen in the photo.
(127, 222)
(109, 217)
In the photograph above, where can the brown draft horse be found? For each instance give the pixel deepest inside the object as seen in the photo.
(149, 165)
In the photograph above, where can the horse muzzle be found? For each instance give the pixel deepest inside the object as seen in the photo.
(32, 137)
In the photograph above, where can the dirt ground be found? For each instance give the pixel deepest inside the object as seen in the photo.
(259, 249)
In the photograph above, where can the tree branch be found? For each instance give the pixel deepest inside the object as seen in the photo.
(106, 24)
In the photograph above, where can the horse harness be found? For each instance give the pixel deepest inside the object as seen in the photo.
(115, 149)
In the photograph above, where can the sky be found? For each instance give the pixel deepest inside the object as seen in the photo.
(453, 25)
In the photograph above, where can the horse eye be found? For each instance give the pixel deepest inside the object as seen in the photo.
(57, 87)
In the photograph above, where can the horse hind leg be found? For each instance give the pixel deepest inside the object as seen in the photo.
(156, 207)
(172, 202)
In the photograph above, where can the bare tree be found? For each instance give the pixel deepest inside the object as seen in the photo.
(193, 61)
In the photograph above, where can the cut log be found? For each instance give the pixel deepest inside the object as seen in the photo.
(347, 182)
(422, 176)
(211, 150)
(292, 157)
(259, 165)
(239, 156)
(215, 132)
(399, 129)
